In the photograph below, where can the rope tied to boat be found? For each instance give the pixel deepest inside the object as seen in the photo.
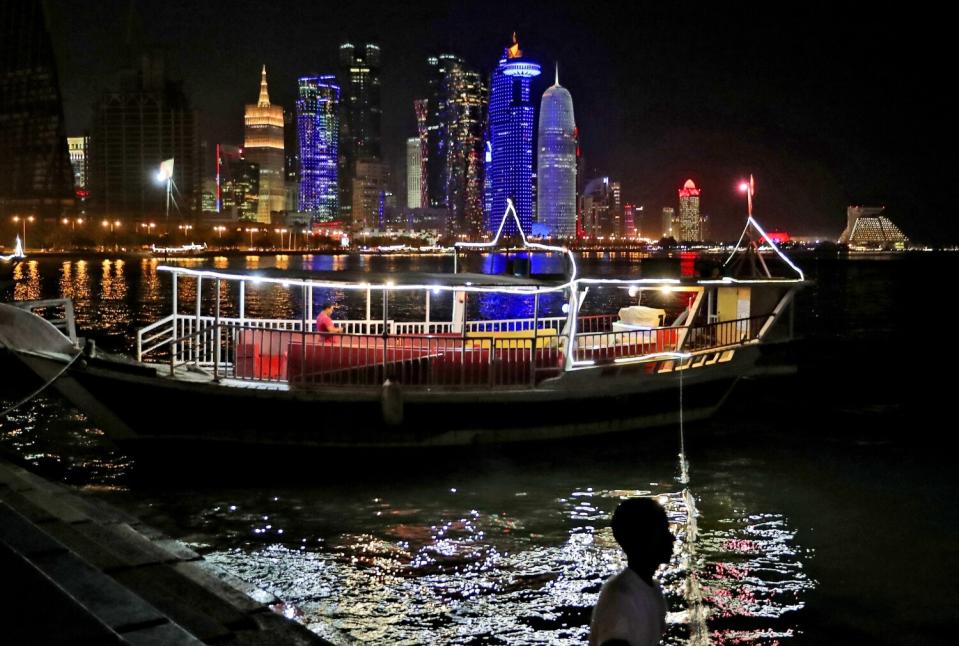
(46, 385)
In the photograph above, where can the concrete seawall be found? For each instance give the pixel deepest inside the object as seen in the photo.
(77, 571)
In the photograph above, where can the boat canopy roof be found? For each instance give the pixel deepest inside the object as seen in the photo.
(379, 279)
(360, 279)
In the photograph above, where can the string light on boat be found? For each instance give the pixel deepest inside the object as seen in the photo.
(511, 210)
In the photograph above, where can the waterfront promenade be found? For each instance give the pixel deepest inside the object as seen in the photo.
(78, 571)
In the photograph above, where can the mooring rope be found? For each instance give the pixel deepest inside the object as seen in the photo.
(39, 390)
(697, 613)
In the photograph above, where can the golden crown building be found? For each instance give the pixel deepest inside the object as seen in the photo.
(263, 145)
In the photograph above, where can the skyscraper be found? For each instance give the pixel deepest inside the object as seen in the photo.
(238, 191)
(600, 207)
(146, 120)
(421, 109)
(360, 115)
(370, 182)
(669, 222)
(317, 126)
(690, 225)
(630, 228)
(510, 135)
(291, 162)
(414, 172)
(79, 157)
(455, 121)
(556, 164)
(35, 172)
(263, 145)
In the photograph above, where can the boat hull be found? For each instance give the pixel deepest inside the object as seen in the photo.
(143, 411)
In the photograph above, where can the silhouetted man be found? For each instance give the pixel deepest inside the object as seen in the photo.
(631, 609)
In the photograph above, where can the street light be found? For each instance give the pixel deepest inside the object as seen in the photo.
(147, 227)
(26, 219)
(251, 232)
(749, 188)
(165, 175)
(280, 232)
(113, 224)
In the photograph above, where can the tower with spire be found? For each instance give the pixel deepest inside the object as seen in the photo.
(263, 145)
(510, 139)
(556, 162)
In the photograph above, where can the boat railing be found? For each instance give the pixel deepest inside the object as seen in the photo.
(595, 323)
(304, 359)
(58, 311)
(159, 335)
(724, 333)
(155, 336)
(621, 345)
(607, 347)
(281, 351)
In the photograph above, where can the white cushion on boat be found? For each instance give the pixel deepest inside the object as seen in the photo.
(642, 315)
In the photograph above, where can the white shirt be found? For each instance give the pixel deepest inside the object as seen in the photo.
(630, 609)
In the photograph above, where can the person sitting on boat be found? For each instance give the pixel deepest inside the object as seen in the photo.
(631, 609)
(324, 320)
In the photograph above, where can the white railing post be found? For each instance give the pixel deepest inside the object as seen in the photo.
(216, 335)
(532, 353)
(571, 325)
(196, 338)
(176, 346)
(308, 320)
(369, 297)
(242, 301)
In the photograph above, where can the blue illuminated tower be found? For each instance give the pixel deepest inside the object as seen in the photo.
(318, 128)
(511, 121)
(556, 162)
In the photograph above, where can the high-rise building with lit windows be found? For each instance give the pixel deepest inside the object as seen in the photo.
(600, 208)
(263, 146)
(146, 119)
(556, 163)
(238, 179)
(669, 222)
(421, 109)
(690, 223)
(317, 126)
(360, 115)
(455, 120)
(35, 172)
(414, 172)
(510, 137)
(370, 182)
(79, 159)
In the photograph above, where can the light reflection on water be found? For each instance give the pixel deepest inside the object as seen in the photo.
(490, 560)
(455, 571)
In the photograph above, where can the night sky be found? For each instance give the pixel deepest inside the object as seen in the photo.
(826, 106)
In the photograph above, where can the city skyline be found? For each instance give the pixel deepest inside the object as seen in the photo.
(796, 103)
